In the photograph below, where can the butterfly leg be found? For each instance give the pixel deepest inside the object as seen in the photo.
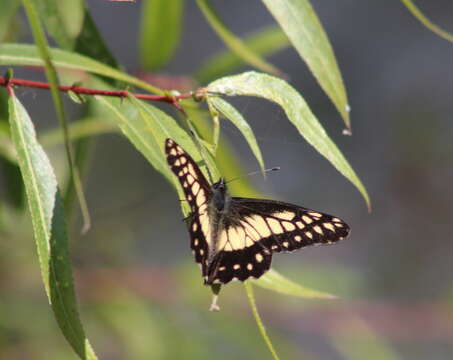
(215, 296)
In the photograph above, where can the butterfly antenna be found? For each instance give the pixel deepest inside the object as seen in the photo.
(254, 173)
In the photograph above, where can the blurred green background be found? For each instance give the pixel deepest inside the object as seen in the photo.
(141, 294)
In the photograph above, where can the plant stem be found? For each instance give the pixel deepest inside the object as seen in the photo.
(171, 99)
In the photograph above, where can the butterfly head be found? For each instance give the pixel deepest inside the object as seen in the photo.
(220, 197)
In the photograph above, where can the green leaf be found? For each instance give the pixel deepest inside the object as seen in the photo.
(70, 24)
(303, 28)
(49, 226)
(147, 127)
(22, 54)
(90, 43)
(63, 19)
(233, 42)
(272, 280)
(8, 11)
(52, 77)
(263, 42)
(230, 112)
(160, 32)
(425, 21)
(297, 111)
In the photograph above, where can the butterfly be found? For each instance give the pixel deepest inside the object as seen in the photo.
(234, 238)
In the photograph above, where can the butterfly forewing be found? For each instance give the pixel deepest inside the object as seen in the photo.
(198, 194)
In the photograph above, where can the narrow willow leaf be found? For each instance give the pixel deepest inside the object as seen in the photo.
(147, 127)
(63, 19)
(272, 280)
(426, 22)
(22, 54)
(216, 127)
(230, 112)
(233, 42)
(303, 28)
(8, 10)
(297, 111)
(90, 43)
(226, 159)
(160, 32)
(264, 42)
(49, 227)
(52, 77)
(259, 322)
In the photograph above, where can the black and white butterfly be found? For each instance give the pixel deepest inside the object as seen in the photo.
(234, 238)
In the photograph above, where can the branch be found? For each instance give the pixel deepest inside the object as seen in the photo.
(171, 99)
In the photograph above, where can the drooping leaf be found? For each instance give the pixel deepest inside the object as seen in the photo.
(38, 33)
(230, 112)
(303, 28)
(22, 54)
(233, 42)
(264, 42)
(297, 111)
(147, 127)
(273, 280)
(49, 227)
(160, 32)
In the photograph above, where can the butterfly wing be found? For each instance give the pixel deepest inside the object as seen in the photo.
(256, 228)
(198, 194)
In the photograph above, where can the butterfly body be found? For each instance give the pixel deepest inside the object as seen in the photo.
(234, 238)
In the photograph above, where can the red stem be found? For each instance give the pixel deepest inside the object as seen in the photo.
(171, 99)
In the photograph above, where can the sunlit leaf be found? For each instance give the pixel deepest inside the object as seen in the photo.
(233, 42)
(147, 127)
(297, 111)
(160, 32)
(230, 112)
(39, 36)
(272, 280)
(49, 226)
(303, 28)
(263, 42)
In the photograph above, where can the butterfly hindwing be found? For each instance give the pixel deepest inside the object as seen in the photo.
(256, 228)
(198, 194)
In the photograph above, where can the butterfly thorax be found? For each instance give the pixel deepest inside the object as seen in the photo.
(220, 198)
(219, 207)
